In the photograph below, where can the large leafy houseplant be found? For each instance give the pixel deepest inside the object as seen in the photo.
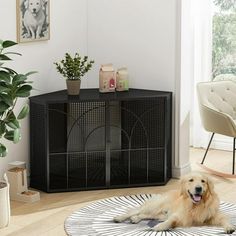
(12, 87)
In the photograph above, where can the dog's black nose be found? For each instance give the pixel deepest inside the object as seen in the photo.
(198, 189)
(34, 9)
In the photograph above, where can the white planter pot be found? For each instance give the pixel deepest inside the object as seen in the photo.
(4, 203)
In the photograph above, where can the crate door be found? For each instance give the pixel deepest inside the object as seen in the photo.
(57, 119)
(119, 156)
(86, 145)
(144, 122)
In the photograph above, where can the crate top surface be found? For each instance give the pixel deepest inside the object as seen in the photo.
(95, 95)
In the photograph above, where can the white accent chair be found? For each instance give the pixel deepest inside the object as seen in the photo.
(217, 104)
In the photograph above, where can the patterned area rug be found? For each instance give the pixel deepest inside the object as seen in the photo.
(96, 220)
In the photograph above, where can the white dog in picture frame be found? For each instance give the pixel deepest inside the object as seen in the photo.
(34, 17)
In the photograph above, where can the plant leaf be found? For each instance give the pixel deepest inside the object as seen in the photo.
(3, 106)
(19, 78)
(9, 70)
(4, 58)
(8, 43)
(2, 128)
(24, 112)
(15, 53)
(4, 76)
(3, 150)
(7, 99)
(23, 94)
(14, 124)
(9, 135)
(3, 89)
(13, 135)
(31, 73)
(11, 115)
(24, 91)
(17, 136)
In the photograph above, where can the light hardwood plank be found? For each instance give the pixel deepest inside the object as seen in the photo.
(47, 216)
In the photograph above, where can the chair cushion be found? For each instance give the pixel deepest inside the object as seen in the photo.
(220, 96)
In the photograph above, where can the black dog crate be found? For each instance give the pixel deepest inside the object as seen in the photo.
(95, 141)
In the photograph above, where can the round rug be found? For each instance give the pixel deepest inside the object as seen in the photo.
(96, 219)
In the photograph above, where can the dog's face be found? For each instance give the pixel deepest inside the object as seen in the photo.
(34, 5)
(196, 187)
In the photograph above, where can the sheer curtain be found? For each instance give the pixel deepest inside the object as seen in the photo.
(202, 12)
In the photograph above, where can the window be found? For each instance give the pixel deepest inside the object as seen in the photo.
(224, 39)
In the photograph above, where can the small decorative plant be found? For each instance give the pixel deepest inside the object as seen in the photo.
(12, 87)
(74, 68)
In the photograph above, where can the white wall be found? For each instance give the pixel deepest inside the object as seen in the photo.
(142, 35)
(68, 33)
(139, 34)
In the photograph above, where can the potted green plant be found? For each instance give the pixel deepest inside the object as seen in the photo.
(73, 69)
(12, 87)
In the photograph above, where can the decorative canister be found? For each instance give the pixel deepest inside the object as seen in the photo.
(107, 79)
(122, 79)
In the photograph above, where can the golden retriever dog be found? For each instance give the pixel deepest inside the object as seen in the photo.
(195, 204)
(34, 18)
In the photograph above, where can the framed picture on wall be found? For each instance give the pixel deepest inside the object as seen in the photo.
(33, 20)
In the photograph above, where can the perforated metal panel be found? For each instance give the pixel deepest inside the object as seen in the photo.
(38, 147)
(120, 172)
(144, 120)
(86, 169)
(86, 126)
(57, 171)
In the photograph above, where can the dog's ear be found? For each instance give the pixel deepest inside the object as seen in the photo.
(43, 4)
(182, 186)
(26, 4)
(210, 185)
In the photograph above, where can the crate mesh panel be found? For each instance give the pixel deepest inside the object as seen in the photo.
(156, 165)
(38, 147)
(138, 167)
(77, 165)
(87, 169)
(57, 170)
(96, 169)
(119, 167)
(144, 121)
(115, 125)
(86, 126)
(57, 123)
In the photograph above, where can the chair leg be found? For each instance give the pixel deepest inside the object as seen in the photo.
(233, 156)
(207, 148)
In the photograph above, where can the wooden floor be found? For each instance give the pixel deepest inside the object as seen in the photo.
(47, 216)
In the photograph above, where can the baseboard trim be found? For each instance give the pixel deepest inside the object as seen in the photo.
(177, 172)
(222, 144)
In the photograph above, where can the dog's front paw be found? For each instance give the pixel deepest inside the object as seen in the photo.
(229, 229)
(118, 219)
(135, 219)
(160, 227)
